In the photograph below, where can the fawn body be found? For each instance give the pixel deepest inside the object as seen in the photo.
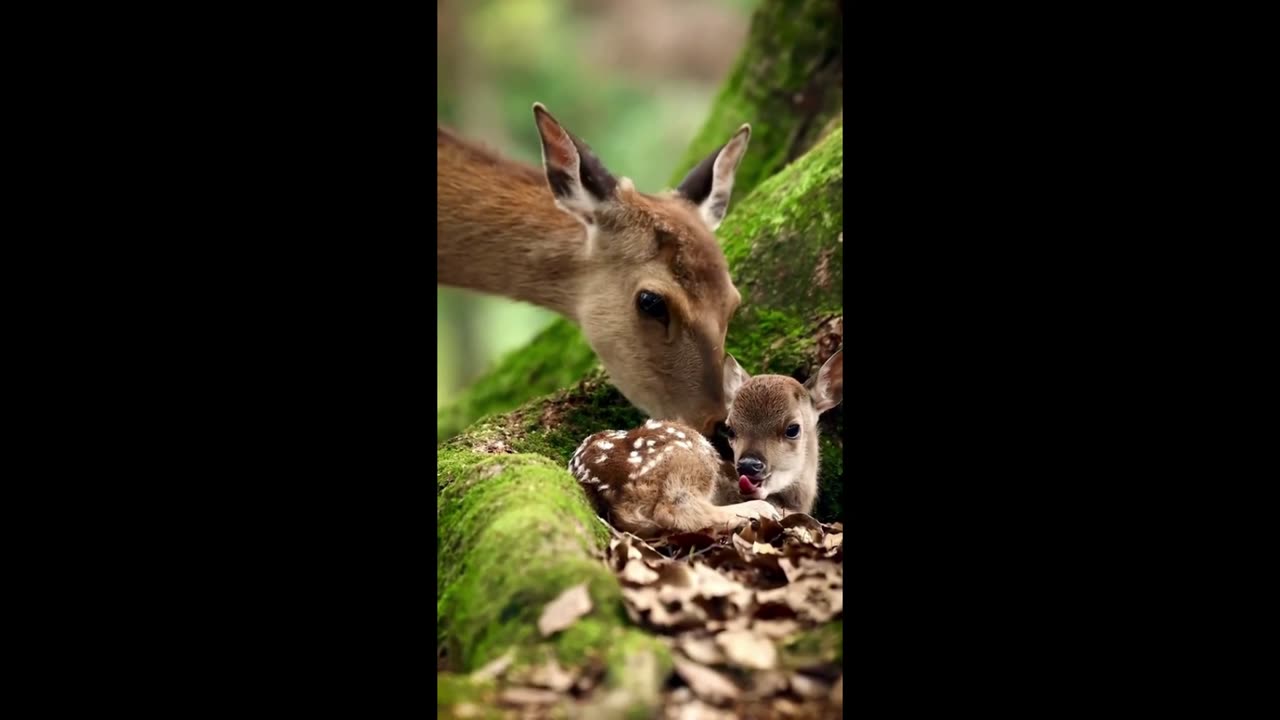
(641, 274)
(665, 476)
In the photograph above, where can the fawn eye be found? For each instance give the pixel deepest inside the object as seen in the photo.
(728, 432)
(793, 431)
(653, 305)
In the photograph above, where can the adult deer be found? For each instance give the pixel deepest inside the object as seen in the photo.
(641, 274)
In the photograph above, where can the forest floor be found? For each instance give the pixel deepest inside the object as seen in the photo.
(752, 621)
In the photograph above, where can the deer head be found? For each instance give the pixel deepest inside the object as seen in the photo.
(654, 297)
(773, 429)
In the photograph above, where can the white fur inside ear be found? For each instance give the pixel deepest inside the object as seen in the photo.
(734, 377)
(570, 196)
(713, 209)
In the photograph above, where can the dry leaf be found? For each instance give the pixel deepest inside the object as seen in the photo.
(493, 669)
(764, 549)
(696, 710)
(711, 583)
(807, 687)
(550, 675)
(636, 572)
(747, 649)
(776, 629)
(676, 574)
(528, 696)
(705, 682)
(564, 610)
(767, 682)
(833, 540)
(703, 650)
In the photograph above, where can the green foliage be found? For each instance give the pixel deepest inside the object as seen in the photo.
(821, 645)
(556, 358)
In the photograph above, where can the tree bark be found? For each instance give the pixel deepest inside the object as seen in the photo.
(787, 84)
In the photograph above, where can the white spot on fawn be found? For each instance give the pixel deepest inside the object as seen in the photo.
(604, 445)
(638, 442)
(653, 424)
(685, 444)
(670, 429)
(680, 434)
(650, 443)
(634, 459)
(603, 488)
(601, 459)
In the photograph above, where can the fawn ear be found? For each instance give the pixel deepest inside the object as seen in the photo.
(827, 387)
(578, 180)
(734, 377)
(710, 183)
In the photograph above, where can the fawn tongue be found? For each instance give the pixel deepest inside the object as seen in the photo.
(745, 485)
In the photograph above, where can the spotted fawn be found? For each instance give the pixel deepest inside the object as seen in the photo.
(665, 476)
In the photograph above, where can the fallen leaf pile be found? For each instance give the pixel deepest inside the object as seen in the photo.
(728, 602)
(725, 603)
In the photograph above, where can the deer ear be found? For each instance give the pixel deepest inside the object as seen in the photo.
(827, 387)
(734, 377)
(710, 184)
(578, 180)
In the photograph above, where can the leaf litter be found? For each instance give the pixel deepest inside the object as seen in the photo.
(725, 603)
(728, 602)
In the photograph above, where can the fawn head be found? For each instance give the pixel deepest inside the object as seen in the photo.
(655, 297)
(773, 425)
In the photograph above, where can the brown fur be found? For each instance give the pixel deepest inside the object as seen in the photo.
(670, 488)
(665, 476)
(500, 231)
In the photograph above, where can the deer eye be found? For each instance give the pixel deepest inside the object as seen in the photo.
(653, 305)
(728, 432)
(793, 431)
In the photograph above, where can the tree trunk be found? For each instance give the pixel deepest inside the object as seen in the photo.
(787, 84)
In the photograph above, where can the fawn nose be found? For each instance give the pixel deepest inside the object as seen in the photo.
(751, 466)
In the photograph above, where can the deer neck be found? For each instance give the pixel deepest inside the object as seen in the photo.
(499, 232)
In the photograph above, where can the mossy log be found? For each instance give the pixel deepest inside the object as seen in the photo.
(787, 84)
(514, 528)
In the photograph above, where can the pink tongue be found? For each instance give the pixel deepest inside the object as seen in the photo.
(745, 485)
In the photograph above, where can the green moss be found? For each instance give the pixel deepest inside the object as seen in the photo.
(786, 83)
(830, 504)
(823, 644)
(514, 531)
(453, 690)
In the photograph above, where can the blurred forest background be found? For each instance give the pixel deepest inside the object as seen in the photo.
(633, 78)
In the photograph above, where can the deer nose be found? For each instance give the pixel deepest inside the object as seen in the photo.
(751, 467)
